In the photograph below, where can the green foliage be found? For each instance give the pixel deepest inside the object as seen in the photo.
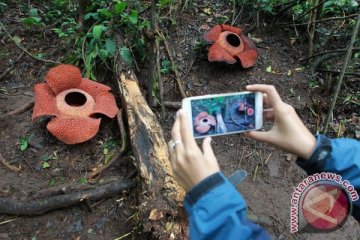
(68, 28)
(33, 19)
(24, 142)
(3, 6)
(83, 181)
(330, 7)
(46, 159)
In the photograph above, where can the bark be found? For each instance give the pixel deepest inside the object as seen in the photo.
(43, 205)
(161, 195)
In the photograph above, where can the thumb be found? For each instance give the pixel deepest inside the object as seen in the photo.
(207, 149)
(260, 136)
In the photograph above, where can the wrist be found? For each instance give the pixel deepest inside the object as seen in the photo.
(307, 147)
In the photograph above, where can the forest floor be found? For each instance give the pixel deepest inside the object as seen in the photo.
(272, 173)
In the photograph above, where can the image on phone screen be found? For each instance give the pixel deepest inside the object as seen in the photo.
(223, 114)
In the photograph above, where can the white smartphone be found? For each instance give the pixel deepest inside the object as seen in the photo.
(220, 114)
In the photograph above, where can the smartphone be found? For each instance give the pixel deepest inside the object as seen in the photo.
(221, 114)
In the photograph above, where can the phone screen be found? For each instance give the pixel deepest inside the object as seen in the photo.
(223, 114)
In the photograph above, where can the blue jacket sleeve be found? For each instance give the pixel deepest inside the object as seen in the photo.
(340, 156)
(216, 210)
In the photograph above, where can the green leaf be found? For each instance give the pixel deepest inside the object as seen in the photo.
(17, 39)
(45, 165)
(119, 7)
(31, 21)
(97, 31)
(126, 55)
(110, 46)
(83, 180)
(24, 142)
(268, 69)
(95, 16)
(133, 17)
(105, 13)
(103, 54)
(33, 12)
(52, 182)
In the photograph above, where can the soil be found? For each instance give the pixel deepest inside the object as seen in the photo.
(267, 192)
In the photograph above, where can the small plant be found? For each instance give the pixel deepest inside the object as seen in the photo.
(24, 143)
(33, 19)
(46, 159)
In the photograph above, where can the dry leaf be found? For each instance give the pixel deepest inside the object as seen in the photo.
(207, 11)
(156, 214)
(204, 26)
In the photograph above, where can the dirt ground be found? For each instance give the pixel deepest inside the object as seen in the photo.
(267, 193)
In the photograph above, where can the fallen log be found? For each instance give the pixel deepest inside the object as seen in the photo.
(161, 196)
(40, 206)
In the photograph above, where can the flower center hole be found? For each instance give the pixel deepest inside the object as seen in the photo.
(75, 99)
(233, 40)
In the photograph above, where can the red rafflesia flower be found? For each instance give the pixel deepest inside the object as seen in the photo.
(74, 101)
(203, 122)
(230, 44)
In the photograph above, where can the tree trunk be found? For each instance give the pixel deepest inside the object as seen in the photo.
(161, 197)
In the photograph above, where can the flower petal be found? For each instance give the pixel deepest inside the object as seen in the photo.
(63, 77)
(248, 43)
(218, 54)
(248, 58)
(45, 101)
(231, 29)
(213, 34)
(106, 104)
(74, 130)
(93, 88)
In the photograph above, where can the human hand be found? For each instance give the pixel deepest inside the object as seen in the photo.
(189, 164)
(288, 131)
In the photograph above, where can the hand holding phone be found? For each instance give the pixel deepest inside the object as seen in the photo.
(220, 114)
(288, 131)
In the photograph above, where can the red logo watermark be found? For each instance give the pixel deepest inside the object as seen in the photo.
(322, 201)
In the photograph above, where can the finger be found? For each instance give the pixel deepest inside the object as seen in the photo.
(175, 131)
(172, 152)
(268, 114)
(272, 95)
(207, 149)
(266, 101)
(185, 130)
(260, 136)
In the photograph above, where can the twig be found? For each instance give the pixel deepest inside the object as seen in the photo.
(25, 50)
(152, 55)
(6, 164)
(338, 72)
(18, 110)
(267, 159)
(174, 68)
(12, 66)
(342, 74)
(312, 25)
(255, 172)
(322, 20)
(8, 221)
(161, 85)
(326, 52)
(119, 153)
(40, 206)
(318, 4)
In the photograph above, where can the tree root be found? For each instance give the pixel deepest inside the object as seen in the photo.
(6, 164)
(118, 154)
(40, 206)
